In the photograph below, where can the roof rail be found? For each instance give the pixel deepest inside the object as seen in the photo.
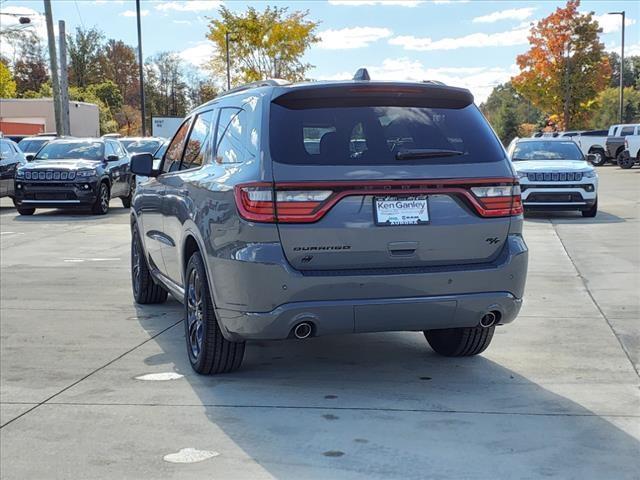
(270, 82)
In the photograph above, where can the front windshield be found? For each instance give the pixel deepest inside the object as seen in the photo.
(72, 150)
(31, 146)
(141, 146)
(546, 150)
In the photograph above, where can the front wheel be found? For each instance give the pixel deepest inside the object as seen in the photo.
(101, 205)
(209, 352)
(460, 342)
(592, 212)
(625, 161)
(25, 211)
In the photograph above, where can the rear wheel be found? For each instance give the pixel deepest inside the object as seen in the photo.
(145, 290)
(600, 157)
(592, 212)
(460, 342)
(101, 205)
(209, 352)
(25, 211)
(625, 161)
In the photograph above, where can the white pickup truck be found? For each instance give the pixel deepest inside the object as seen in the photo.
(631, 154)
(595, 142)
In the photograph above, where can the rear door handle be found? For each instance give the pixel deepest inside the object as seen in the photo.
(402, 249)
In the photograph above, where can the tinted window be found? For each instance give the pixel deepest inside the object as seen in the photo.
(110, 149)
(233, 136)
(626, 131)
(5, 150)
(541, 150)
(72, 150)
(197, 146)
(368, 135)
(174, 150)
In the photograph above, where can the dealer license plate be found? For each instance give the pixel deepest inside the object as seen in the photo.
(401, 210)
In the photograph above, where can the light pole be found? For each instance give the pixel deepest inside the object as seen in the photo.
(226, 43)
(141, 71)
(622, 14)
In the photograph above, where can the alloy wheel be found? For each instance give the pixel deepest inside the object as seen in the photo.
(195, 313)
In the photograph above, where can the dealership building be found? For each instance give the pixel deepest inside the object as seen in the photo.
(26, 116)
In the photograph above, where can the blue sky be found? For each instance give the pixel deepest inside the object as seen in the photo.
(465, 43)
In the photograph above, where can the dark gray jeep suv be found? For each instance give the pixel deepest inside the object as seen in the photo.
(298, 210)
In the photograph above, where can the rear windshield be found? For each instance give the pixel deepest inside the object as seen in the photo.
(546, 150)
(375, 135)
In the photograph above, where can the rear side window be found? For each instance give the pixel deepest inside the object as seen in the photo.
(626, 131)
(197, 146)
(373, 135)
(233, 136)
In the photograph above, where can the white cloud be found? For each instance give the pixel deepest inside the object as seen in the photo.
(480, 80)
(348, 38)
(199, 54)
(612, 23)
(132, 13)
(633, 49)
(509, 14)
(360, 3)
(11, 22)
(516, 36)
(189, 6)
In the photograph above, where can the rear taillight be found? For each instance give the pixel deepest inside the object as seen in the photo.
(498, 200)
(256, 202)
(308, 202)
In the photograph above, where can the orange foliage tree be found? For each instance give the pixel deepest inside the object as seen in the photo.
(566, 66)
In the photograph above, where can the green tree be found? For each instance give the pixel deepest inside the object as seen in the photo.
(506, 123)
(165, 86)
(107, 122)
(631, 70)
(566, 66)
(505, 94)
(7, 83)
(109, 93)
(608, 108)
(267, 44)
(85, 50)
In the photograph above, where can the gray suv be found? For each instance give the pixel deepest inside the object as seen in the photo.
(299, 210)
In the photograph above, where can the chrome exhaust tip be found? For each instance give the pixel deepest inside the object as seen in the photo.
(302, 330)
(488, 320)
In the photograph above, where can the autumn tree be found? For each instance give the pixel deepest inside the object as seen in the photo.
(266, 44)
(85, 49)
(7, 83)
(119, 64)
(566, 66)
(30, 68)
(607, 111)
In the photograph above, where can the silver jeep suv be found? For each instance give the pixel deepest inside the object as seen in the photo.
(298, 210)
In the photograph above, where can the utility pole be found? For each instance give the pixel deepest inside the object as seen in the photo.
(64, 82)
(53, 65)
(141, 65)
(226, 42)
(621, 106)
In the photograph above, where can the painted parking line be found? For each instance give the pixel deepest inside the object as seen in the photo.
(160, 377)
(81, 260)
(190, 455)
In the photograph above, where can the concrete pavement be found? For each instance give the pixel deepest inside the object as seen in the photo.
(556, 394)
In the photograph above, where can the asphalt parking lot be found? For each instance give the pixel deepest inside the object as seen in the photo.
(556, 394)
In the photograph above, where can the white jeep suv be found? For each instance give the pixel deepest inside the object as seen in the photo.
(554, 175)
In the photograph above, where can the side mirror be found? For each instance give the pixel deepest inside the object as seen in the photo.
(112, 158)
(591, 158)
(29, 157)
(142, 164)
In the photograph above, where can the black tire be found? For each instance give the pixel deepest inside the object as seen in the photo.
(601, 156)
(25, 210)
(209, 352)
(625, 161)
(145, 289)
(460, 342)
(101, 205)
(592, 212)
(126, 201)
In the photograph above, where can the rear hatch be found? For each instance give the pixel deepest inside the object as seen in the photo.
(386, 176)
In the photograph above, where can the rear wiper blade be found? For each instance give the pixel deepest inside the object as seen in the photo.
(426, 153)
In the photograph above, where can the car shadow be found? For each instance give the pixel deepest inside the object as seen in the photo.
(572, 217)
(72, 215)
(385, 406)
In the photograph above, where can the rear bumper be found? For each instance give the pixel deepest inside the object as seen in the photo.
(380, 315)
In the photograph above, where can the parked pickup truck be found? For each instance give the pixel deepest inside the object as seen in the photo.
(615, 142)
(631, 153)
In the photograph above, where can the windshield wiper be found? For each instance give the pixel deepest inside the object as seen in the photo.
(426, 153)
